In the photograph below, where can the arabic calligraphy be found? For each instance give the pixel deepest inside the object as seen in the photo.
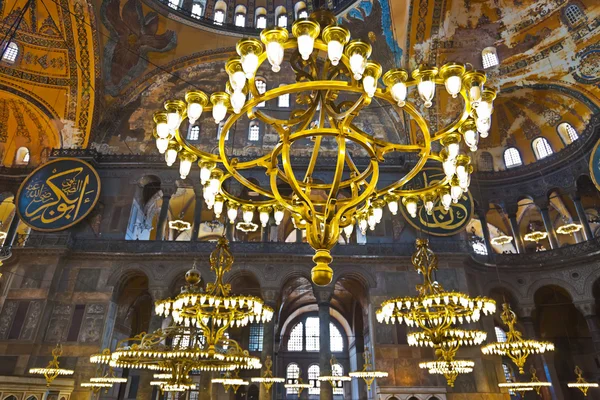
(58, 195)
(442, 222)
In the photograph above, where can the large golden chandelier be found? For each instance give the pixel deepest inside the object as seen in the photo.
(335, 80)
(195, 341)
(434, 312)
(515, 347)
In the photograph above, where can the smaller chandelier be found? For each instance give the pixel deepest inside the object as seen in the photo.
(335, 380)
(231, 382)
(165, 386)
(180, 225)
(515, 347)
(450, 369)
(581, 383)
(520, 387)
(535, 383)
(569, 229)
(297, 384)
(110, 377)
(535, 236)
(268, 379)
(52, 371)
(96, 386)
(501, 240)
(246, 227)
(367, 373)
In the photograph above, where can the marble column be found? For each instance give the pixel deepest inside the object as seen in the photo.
(164, 213)
(549, 227)
(587, 231)
(12, 231)
(206, 386)
(298, 235)
(588, 310)
(486, 232)
(323, 295)
(268, 344)
(516, 233)
(264, 232)
(197, 214)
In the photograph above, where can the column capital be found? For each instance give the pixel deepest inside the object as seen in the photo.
(168, 190)
(158, 292)
(524, 311)
(587, 308)
(269, 296)
(323, 294)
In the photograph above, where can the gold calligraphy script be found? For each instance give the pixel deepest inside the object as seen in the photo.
(59, 197)
(447, 220)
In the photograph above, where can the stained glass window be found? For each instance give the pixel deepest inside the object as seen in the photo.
(256, 337)
(295, 343)
(500, 334)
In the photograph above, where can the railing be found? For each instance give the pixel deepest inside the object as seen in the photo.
(5, 253)
(338, 7)
(93, 245)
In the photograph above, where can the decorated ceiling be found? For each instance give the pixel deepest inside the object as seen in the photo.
(139, 53)
(48, 82)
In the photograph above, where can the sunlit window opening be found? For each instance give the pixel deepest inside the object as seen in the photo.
(197, 10)
(283, 101)
(313, 377)
(296, 340)
(282, 21)
(500, 334)
(240, 20)
(567, 132)
(292, 372)
(489, 57)
(574, 14)
(219, 17)
(174, 4)
(22, 156)
(542, 148)
(10, 53)
(254, 132)
(479, 248)
(261, 22)
(256, 337)
(261, 87)
(194, 133)
(512, 157)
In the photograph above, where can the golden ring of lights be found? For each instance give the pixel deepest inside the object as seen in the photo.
(450, 337)
(501, 240)
(569, 229)
(535, 236)
(318, 90)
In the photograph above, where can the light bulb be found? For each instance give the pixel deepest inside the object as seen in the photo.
(453, 85)
(428, 204)
(173, 120)
(471, 138)
(218, 206)
(248, 215)
(411, 207)
(362, 224)
(219, 112)
(371, 221)
(232, 212)
(475, 95)
(455, 192)
(162, 130)
(369, 85)
(348, 229)
(249, 64)
(306, 45)
(205, 170)
(278, 215)
(162, 144)
(194, 111)
(399, 92)
(238, 99)
(446, 200)
(453, 149)
(483, 126)
(357, 65)
(185, 165)
(237, 80)
(393, 206)
(275, 55)
(264, 217)
(334, 50)
(449, 168)
(170, 156)
(426, 88)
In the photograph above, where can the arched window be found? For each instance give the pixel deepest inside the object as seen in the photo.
(309, 333)
(486, 161)
(240, 16)
(300, 10)
(283, 100)
(174, 4)
(508, 375)
(313, 377)
(337, 370)
(479, 248)
(541, 148)
(194, 133)
(261, 18)
(512, 157)
(255, 340)
(573, 14)
(567, 133)
(198, 7)
(254, 132)
(500, 334)
(281, 17)
(261, 87)
(292, 373)
(296, 340)
(489, 57)
(10, 53)
(220, 10)
(22, 156)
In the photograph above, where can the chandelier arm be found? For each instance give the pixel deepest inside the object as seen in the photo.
(337, 177)
(194, 150)
(371, 186)
(293, 182)
(467, 111)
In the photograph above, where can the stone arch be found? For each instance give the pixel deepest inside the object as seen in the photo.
(592, 279)
(294, 272)
(553, 281)
(365, 277)
(121, 274)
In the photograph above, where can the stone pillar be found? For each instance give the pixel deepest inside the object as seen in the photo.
(197, 214)
(269, 295)
(323, 295)
(588, 310)
(12, 231)
(298, 235)
(516, 233)
(164, 213)
(549, 227)
(486, 232)
(587, 231)
(264, 232)
(206, 386)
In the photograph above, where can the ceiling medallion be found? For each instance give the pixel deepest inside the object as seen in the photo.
(335, 80)
(569, 229)
(435, 311)
(515, 347)
(535, 236)
(53, 370)
(267, 379)
(581, 383)
(180, 225)
(368, 374)
(501, 240)
(196, 339)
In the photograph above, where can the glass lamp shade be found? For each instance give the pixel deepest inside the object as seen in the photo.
(393, 206)
(232, 211)
(275, 55)
(162, 130)
(357, 65)
(446, 200)
(278, 215)
(399, 91)
(162, 144)
(218, 206)
(194, 111)
(449, 168)
(369, 85)
(426, 88)
(453, 85)
(264, 218)
(334, 51)
(238, 99)
(348, 229)
(248, 215)
(170, 157)
(249, 64)
(173, 120)
(306, 45)
(185, 165)
(483, 126)
(219, 112)
(237, 80)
